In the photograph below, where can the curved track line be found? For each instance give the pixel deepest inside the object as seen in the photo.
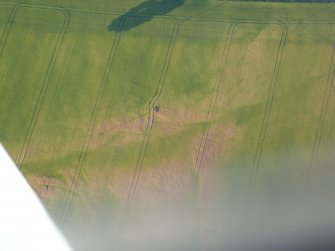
(320, 127)
(197, 149)
(8, 28)
(219, 19)
(151, 117)
(79, 166)
(22, 154)
(181, 17)
(203, 141)
(268, 109)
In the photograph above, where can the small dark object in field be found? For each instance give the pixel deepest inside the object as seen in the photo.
(156, 108)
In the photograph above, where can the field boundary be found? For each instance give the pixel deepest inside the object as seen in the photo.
(22, 154)
(179, 17)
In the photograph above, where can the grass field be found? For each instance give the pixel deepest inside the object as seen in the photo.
(213, 97)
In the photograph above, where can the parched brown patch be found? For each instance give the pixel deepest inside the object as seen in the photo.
(113, 181)
(220, 142)
(168, 183)
(37, 183)
(170, 120)
(51, 192)
(120, 130)
(170, 177)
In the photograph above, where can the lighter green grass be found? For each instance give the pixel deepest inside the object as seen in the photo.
(23, 67)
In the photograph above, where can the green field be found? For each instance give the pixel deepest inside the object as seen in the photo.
(214, 97)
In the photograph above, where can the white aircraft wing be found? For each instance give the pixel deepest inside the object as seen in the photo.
(24, 223)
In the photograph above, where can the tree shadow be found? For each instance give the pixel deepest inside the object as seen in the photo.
(142, 13)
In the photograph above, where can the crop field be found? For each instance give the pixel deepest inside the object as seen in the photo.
(104, 103)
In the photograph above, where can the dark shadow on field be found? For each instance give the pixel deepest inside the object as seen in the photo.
(142, 13)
